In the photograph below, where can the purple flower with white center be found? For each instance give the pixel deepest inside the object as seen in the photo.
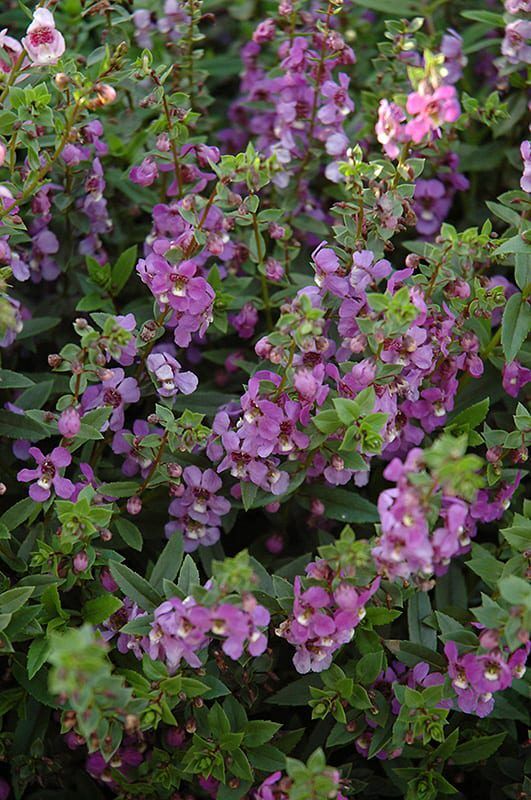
(525, 152)
(115, 392)
(47, 474)
(180, 629)
(469, 699)
(328, 271)
(365, 271)
(454, 60)
(169, 379)
(515, 377)
(199, 509)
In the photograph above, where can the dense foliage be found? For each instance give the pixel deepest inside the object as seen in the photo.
(265, 293)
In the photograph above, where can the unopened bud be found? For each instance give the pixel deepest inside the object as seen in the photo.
(54, 360)
(134, 505)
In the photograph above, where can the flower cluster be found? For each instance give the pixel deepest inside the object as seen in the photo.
(325, 616)
(182, 628)
(476, 677)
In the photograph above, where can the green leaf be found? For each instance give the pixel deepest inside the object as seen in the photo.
(14, 599)
(14, 380)
(487, 17)
(516, 324)
(189, 575)
(168, 562)
(258, 731)
(119, 488)
(20, 426)
(100, 608)
(240, 766)
(34, 327)
(513, 589)
(129, 532)
(37, 653)
(472, 416)
(135, 587)
(123, 268)
(419, 607)
(342, 504)
(296, 693)
(267, 758)
(400, 8)
(479, 749)
(18, 513)
(369, 667)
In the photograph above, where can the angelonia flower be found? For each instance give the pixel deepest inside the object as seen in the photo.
(167, 373)
(515, 45)
(406, 545)
(115, 391)
(197, 512)
(69, 423)
(183, 628)
(324, 619)
(43, 43)
(46, 476)
(515, 377)
(525, 152)
(476, 677)
(130, 754)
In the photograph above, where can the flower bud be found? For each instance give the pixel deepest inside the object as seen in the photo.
(61, 80)
(80, 562)
(134, 505)
(54, 360)
(69, 423)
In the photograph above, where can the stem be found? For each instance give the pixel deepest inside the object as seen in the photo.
(154, 465)
(41, 174)
(13, 75)
(494, 342)
(263, 280)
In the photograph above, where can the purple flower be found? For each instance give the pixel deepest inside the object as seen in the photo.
(47, 474)
(199, 509)
(525, 152)
(514, 46)
(116, 391)
(515, 377)
(168, 376)
(145, 174)
(179, 631)
(69, 422)
(245, 321)
(339, 103)
(431, 205)
(454, 60)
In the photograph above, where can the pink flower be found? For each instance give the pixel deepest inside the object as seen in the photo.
(43, 42)
(430, 111)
